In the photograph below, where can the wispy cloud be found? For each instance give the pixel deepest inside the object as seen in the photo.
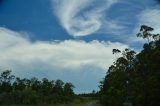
(48, 58)
(151, 18)
(81, 17)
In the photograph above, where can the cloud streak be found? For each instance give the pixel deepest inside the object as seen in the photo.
(151, 18)
(81, 17)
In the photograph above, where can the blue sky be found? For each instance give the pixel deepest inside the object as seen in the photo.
(70, 40)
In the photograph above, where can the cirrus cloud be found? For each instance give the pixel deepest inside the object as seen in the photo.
(151, 18)
(81, 17)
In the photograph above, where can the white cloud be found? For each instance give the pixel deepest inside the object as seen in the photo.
(81, 17)
(17, 51)
(79, 62)
(151, 18)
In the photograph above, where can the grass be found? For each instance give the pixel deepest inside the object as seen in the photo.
(35, 105)
(82, 101)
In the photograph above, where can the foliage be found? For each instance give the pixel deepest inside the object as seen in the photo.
(134, 77)
(32, 91)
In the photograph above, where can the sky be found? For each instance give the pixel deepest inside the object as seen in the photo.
(71, 40)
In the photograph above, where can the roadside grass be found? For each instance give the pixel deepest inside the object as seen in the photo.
(36, 105)
(82, 101)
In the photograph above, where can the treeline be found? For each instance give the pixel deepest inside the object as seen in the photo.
(14, 90)
(94, 95)
(134, 78)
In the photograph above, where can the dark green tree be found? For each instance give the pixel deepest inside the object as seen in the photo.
(134, 77)
(5, 81)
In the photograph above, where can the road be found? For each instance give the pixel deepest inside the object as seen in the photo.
(92, 103)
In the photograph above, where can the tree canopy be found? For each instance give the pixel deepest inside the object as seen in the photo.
(14, 90)
(134, 77)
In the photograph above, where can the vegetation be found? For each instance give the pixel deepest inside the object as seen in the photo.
(134, 77)
(32, 91)
(15, 91)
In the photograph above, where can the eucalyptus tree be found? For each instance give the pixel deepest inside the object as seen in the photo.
(134, 75)
(145, 32)
(5, 81)
(68, 89)
(116, 52)
(19, 84)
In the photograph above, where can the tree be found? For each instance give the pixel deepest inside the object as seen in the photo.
(68, 89)
(19, 84)
(33, 91)
(145, 32)
(134, 76)
(5, 81)
(116, 51)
